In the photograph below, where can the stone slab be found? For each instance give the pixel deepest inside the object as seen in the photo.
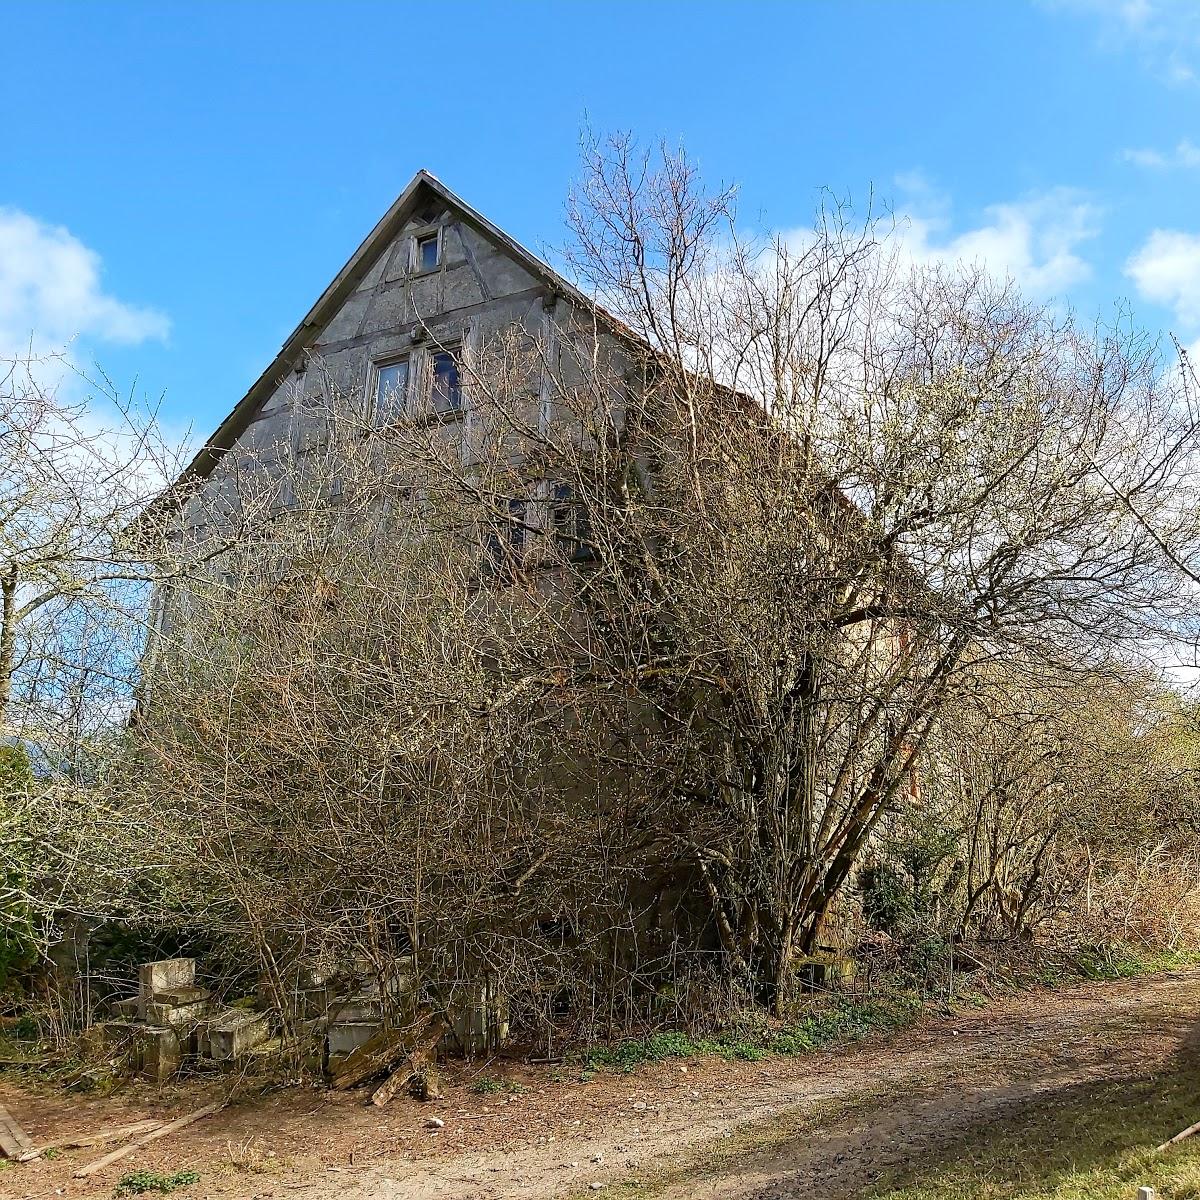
(234, 1032)
(178, 1016)
(182, 995)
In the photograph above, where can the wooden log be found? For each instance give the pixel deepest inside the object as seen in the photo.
(145, 1139)
(382, 1053)
(418, 1063)
(14, 1141)
(117, 1134)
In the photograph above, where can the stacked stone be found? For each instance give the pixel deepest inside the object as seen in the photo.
(171, 1018)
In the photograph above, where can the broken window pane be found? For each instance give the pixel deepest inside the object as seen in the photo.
(447, 383)
(504, 544)
(516, 527)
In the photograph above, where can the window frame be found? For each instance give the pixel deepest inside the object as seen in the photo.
(422, 236)
(402, 411)
(457, 352)
(572, 537)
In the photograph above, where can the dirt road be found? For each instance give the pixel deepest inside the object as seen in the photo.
(823, 1125)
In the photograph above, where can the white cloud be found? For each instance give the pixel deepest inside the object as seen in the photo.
(51, 291)
(1165, 33)
(1185, 154)
(1034, 240)
(54, 314)
(1166, 271)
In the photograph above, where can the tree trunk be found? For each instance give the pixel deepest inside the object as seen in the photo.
(8, 643)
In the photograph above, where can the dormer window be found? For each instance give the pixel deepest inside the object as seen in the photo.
(391, 392)
(428, 252)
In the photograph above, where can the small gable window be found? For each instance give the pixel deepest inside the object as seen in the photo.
(428, 252)
(391, 392)
(447, 383)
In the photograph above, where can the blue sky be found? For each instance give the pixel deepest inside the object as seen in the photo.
(178, 182)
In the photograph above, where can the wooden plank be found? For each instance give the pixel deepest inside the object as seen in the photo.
(116, 1134)
(393, 1083)
(14, 1141)
(373, 1057)
(153, 1136)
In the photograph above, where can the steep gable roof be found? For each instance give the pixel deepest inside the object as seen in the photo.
(422, 188)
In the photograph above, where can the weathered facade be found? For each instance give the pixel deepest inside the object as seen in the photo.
(394, 336)
(395, 331)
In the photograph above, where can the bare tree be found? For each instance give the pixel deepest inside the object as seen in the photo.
(69, 579)
(822, 491)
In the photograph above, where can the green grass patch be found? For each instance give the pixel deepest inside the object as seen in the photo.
(842, 1021)
(1128, 963)
(1088, 1141)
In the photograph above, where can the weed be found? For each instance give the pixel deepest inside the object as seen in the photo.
(27, 1028)
(488, 1085)
(1128, 962)
(138, 1183)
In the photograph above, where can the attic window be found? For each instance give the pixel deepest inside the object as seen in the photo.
(427, 252)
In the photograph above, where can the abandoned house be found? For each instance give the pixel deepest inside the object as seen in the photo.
(399, 337)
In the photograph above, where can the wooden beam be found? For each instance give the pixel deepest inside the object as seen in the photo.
(116, 1134)
(145, 1139)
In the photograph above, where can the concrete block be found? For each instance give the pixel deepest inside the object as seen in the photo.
(349, 1035)
(305, 1003)
(159, 1052)
(178, 1016)
(234, 1032)
(357, 1010)
(183, 995)
(164, 976)
(127, 1008)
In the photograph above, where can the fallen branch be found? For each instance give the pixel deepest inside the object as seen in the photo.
(116, 1134)
(145, 1139)
(1183, 1133)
